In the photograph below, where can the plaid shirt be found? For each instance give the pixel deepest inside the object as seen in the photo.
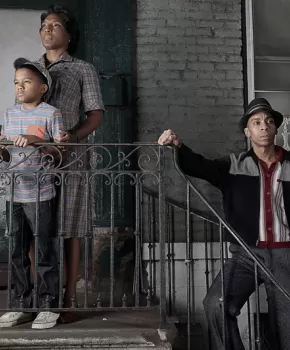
(75, 88)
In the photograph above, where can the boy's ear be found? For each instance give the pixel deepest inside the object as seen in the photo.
(44, 88)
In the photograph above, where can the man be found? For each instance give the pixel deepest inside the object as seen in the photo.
(256, 198)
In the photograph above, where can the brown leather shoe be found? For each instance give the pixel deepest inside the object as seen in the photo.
(68, 317)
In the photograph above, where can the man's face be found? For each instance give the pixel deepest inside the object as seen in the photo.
(261, 129)
(53, 33)
(28, 87)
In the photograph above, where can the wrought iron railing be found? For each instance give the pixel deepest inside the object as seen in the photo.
(117, 165)
(140, 166)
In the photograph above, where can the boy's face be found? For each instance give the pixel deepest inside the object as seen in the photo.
(28, 87)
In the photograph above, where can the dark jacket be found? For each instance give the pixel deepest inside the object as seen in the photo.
(238, 178)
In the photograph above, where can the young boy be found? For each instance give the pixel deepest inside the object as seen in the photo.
(28, 122)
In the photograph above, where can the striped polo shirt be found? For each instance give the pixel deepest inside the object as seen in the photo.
(28, 164)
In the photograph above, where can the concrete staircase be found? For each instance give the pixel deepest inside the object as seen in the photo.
(102, 330)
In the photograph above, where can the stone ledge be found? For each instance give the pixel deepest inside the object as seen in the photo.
(103, 330)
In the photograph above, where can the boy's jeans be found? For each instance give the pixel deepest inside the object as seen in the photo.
(24, 214)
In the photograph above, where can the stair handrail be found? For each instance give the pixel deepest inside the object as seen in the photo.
(180, 206)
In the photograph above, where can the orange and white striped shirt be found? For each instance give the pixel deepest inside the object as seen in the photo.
(28, 166)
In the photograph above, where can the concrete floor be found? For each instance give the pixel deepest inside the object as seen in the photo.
(100, 330)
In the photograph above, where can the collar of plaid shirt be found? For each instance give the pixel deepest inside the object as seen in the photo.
(65, 57)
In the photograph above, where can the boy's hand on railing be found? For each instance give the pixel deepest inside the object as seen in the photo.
(26, 140)
(168, 137)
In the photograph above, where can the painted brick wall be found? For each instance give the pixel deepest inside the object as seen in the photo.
(190, 78)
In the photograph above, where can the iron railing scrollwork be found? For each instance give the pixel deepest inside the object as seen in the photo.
(142, 165)
(139, 163)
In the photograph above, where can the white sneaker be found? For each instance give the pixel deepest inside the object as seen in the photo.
(44, 320)
(10, 319)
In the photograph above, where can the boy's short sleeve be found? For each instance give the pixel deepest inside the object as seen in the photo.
(3, 129)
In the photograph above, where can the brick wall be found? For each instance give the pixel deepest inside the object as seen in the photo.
(190, 77)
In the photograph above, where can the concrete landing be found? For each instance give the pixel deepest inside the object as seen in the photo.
(103, 330)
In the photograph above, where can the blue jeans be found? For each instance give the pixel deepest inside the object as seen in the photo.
(22, 230)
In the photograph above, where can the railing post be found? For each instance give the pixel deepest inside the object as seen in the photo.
(151, 214)
(137, 243)
(112, 243)
(170, 257)
(61, 239)
(162, 252)
(36, 243)
(207, 273)
(10, 237)
(188, 263)
(249, 324)
(223, 301)
(87, 238)
(258, 338)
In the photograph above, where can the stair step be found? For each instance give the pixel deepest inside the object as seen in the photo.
(105, 330)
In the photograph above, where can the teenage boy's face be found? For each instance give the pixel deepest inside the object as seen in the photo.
(28, 87)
